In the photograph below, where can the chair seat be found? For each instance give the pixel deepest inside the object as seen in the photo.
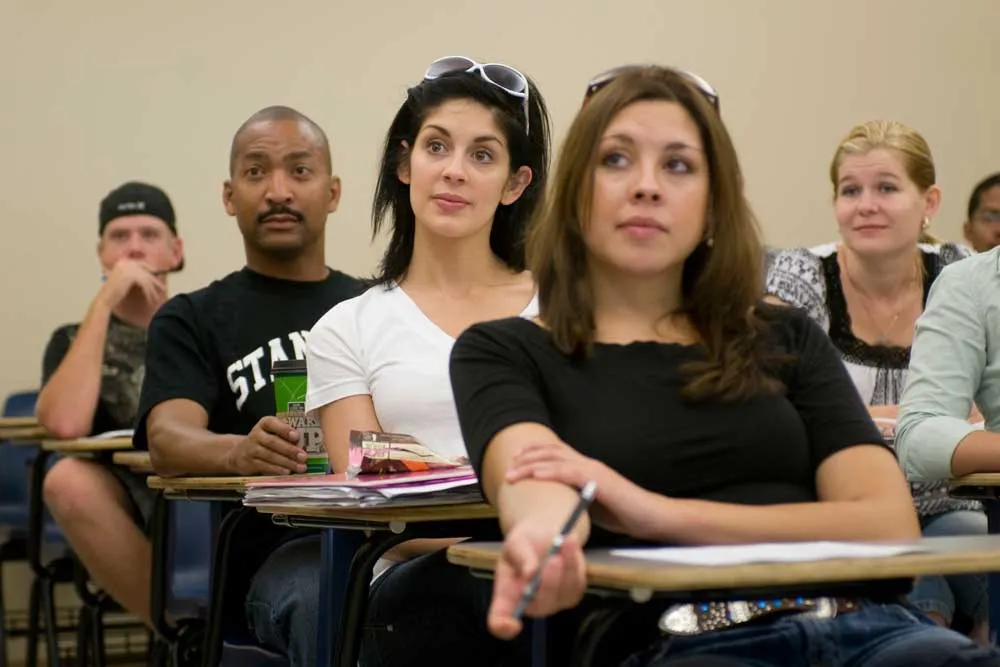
(14, 516)
(191, 583)
(236, 654)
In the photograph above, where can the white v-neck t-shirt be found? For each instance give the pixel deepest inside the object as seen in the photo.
(382, 345)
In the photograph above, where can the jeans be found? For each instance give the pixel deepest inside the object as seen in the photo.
(426, 611)
(877, 635)
(282, 606)
(966, 594)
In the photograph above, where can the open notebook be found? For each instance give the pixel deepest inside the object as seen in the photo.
(432, 487)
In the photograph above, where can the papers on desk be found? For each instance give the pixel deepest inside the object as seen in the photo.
(776, 552)
(108, 435)
(436, 487)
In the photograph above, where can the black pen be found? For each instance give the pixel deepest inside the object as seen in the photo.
(586, 497)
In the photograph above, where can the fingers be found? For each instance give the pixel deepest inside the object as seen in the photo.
(507, 591)
(269, 440)
(284, 464)
(279, 428)
(261, 467)
(549, 472)
(543, 451)
(573, 583)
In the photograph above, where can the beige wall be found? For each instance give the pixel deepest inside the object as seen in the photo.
(94, 93)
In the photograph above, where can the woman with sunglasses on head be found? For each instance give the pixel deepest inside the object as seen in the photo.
(867, 292)
(464, 165)
(703, 415)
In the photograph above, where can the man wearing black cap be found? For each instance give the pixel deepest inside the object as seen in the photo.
(91, 378)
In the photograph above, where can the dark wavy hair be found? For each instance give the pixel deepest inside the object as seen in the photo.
(391, 204)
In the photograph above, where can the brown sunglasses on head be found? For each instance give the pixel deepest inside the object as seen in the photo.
(606, 77)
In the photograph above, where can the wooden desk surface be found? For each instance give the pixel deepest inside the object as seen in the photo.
(944, 555)
(86, 445)
(415, 514)
(17, 422)
(137, 461)
(977, 479)
(20, 435)
(219, 483)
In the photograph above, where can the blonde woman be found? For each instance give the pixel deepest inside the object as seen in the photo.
(867, 291)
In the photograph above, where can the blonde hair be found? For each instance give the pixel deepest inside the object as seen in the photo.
(901, 140)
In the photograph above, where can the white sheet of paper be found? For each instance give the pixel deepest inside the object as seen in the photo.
(775, 552)
(107, 435)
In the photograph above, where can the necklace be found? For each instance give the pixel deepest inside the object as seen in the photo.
(866, 300)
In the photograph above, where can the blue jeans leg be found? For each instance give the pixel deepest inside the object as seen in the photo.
(283, 603)
(966, 594)
(878, 635)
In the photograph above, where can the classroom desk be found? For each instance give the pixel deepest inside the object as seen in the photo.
(21, 429)
(86, 446)
(979, 486)
(136, 461)
(377, 530)
(641, 579)
(221, 487)
(985, 486)
(36, 510)
(17, 422)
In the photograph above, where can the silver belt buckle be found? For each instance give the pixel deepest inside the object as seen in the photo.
(682, 619)
(825, 608)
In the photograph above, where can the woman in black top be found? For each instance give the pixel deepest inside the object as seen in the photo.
(703, 416)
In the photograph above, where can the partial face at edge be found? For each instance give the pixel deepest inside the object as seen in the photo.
(983, 230)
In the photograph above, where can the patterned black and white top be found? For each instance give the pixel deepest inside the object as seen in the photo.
(809, 278)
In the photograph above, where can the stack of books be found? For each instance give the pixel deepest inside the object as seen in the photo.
(432, 487)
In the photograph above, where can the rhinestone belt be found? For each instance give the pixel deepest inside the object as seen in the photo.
(699, 618)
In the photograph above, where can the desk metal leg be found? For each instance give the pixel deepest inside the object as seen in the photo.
(357, 581)
(539, 649)
(993, 523)
(223, 545)
(337, 551)
(44, 575)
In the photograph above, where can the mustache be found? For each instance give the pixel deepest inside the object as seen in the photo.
(280, 210)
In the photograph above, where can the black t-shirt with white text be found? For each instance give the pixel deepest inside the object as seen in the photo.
(215, 346)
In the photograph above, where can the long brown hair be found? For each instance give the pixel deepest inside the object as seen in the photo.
(721, 285)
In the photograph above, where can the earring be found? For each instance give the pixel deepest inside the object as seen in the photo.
(710, 242)
(927, 222)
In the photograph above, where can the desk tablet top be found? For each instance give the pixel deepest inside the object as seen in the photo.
(138, 461)
(87, 445)
(944, 555)
(17, 422)
(20, 435)
(413, 514)
(218, 483)
(977, 479)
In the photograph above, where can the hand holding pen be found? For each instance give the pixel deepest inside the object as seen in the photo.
(539, 571)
